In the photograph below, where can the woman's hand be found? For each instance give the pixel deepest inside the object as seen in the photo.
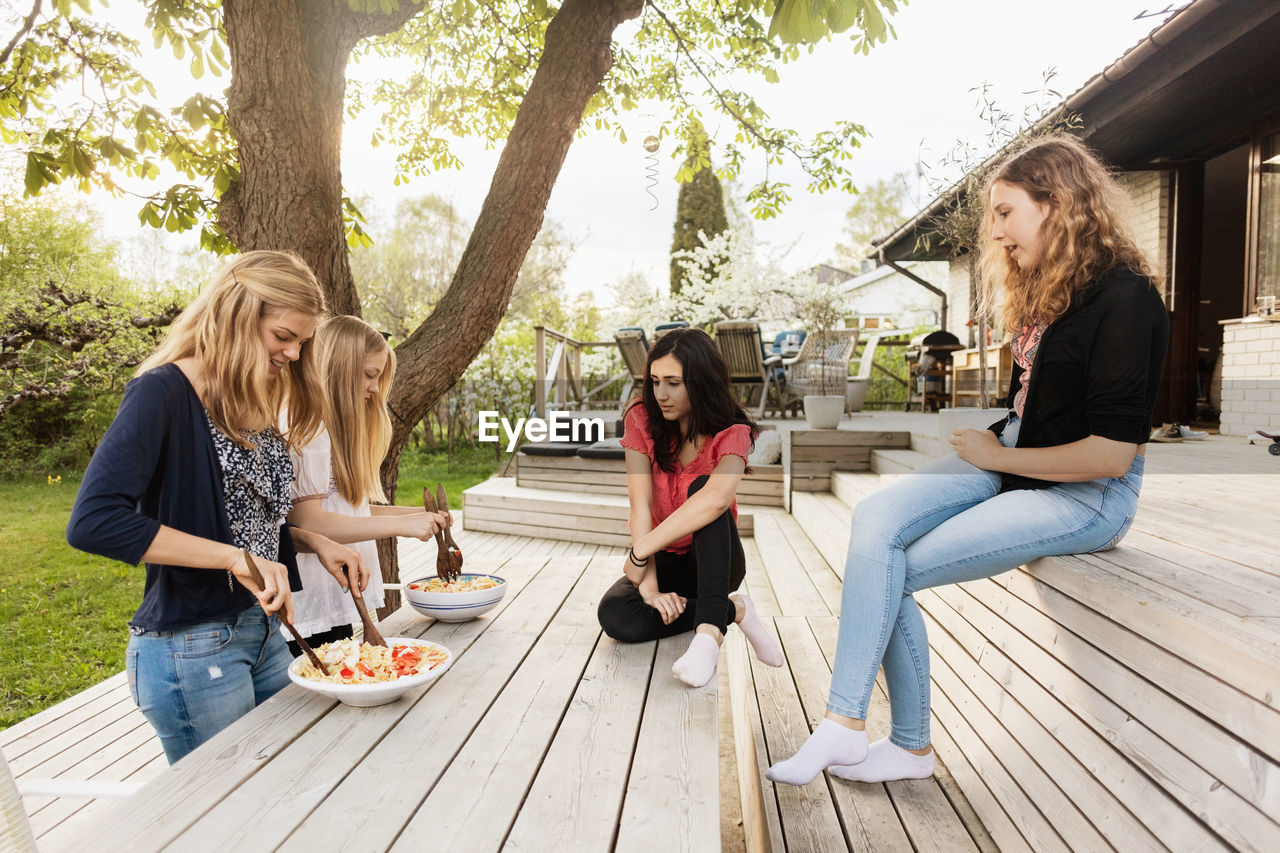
(422, 524)
(335, 558)
(274, 594)
(668, 604)
(978, 447)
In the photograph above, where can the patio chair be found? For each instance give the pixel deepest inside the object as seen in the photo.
(662, 328)
(818, 368)
(856, 392)
(634, 350)
(740, 346)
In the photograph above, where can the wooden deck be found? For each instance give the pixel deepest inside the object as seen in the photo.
(545, 734)
(1119, 701)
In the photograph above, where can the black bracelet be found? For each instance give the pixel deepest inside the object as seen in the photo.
(636, 561)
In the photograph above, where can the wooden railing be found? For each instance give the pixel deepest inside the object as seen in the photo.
(558, 378)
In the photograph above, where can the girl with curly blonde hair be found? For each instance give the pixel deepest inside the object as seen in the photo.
(1060, 474)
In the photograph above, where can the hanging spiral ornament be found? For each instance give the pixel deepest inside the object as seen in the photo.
(651, 144)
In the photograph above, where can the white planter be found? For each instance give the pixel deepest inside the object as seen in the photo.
(855, 395)
(823, 411)
(950, 420)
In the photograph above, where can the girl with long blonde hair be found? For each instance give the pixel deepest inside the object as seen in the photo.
(1060, 474)
(191, 475)
(338, 475)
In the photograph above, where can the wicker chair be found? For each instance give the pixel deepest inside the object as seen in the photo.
(821, 366)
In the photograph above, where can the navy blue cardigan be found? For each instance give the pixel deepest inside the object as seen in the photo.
(157, 465)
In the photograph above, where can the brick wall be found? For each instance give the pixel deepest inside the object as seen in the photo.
(957, 288)
(1150, 215)
(1250, 377)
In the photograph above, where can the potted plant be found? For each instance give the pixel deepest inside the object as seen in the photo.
(825, 375)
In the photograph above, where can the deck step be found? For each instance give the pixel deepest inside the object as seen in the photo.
(500, 505)
(762, 486)
(1133, 692)
(898, 461)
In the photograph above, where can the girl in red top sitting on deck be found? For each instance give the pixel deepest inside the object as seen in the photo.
(687, 440)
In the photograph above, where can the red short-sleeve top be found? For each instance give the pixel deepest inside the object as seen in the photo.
(671, 489)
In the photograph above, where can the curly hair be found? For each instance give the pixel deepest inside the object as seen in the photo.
(713, 408)
(1084, 234)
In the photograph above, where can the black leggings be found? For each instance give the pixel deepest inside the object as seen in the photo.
(705, 575)
(342, 632)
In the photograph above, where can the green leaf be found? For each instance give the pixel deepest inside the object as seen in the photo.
(197, 63)
(35, 178)
(81, 161)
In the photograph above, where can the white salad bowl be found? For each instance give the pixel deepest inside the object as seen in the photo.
(455, 606)
(368, 695)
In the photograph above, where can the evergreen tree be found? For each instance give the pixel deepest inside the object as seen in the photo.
(699, 207)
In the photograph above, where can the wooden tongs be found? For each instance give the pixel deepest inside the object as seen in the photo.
(449, 556)
(256, 577)
(371, 633)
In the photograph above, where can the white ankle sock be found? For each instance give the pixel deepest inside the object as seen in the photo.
(696, 666)
(761, 638)
(830, 743)
(888, 762)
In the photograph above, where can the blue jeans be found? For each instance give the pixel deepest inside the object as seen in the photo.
(949, 523)
(192, 682)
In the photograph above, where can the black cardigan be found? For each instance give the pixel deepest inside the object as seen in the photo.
(1097, 370)
(157, 465)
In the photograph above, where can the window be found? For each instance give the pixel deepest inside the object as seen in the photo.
(1267, 269)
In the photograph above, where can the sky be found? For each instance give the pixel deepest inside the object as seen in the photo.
(914, 96)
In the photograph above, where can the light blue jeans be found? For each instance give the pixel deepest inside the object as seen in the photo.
(192, 682)
(949, 523)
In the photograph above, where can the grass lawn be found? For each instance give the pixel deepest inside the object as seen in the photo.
(65, 611)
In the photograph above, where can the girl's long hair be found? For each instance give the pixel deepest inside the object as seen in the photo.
(359, 429)
(220, 329)
(712, 408)
(1085, 233)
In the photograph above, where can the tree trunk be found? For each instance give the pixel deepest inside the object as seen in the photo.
(577, 55)
(285, 106)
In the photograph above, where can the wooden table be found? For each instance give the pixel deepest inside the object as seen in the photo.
(544, 734)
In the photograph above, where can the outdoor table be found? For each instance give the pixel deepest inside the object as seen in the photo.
(535, 734)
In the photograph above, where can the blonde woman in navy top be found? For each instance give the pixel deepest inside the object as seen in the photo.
(193, 470)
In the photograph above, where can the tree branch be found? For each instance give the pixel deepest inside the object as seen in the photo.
(27, 24)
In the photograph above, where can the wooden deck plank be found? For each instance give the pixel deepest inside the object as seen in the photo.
(1038, 833)
(673, 792)
(116, 761)
(1235, 763)
(68, 834)
(1185, 626)
(761, 824)
(1050, 775)
(578, 792)
(213, 773)
(824, 578)
(1197, 791)
(757, 583)
(987, 823)
(1118, 811)
(925, 812)
(866, 812)
(808, 813)
(500, 759)
(406, 764)
(68, 713)
(794, 589)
